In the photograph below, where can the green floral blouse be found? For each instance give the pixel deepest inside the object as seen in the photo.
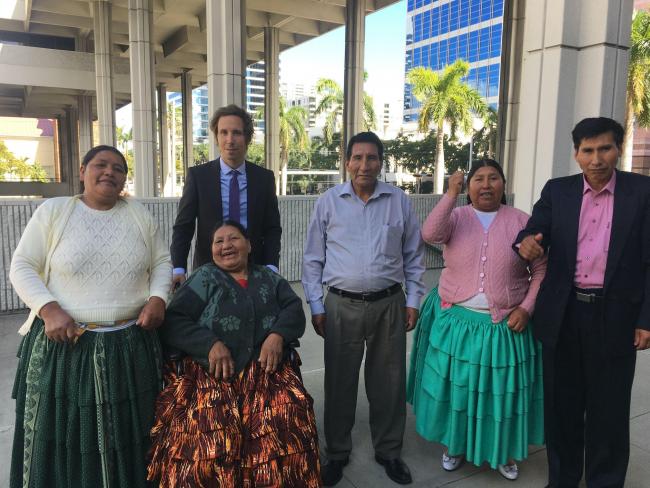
(211, 306)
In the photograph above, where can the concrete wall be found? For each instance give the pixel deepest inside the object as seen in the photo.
(295, 213)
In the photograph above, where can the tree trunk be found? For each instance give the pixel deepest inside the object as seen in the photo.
(628, 140)
(439, 173)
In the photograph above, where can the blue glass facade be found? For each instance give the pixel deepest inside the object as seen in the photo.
(439, 32)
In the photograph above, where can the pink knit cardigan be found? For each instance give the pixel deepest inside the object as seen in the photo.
(477, 260)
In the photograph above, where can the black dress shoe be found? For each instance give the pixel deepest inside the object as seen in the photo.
(332, 472)
(396, 469)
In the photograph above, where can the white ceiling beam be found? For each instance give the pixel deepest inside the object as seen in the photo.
(65, 7)
(308, 9)
(176, 41)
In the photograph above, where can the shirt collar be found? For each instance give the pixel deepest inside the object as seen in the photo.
(611, 184)
(225, 169)
(348, 190)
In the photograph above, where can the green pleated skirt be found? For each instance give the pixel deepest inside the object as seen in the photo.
(83, 412)
(475, 386)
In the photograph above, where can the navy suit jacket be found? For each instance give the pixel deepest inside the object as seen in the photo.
(200, 207)
(627, 274)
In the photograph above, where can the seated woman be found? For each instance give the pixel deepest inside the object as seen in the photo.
(476, 372)
(235, 412)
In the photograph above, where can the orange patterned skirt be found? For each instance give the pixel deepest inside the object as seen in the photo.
(257, 430)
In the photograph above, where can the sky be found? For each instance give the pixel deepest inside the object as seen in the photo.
(324, 56)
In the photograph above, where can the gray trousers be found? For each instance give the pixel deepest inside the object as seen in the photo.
(379, 328)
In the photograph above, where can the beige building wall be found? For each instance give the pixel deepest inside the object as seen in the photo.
(33, 139)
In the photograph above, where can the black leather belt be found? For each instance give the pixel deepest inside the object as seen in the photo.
(371, 296)
(590, 295)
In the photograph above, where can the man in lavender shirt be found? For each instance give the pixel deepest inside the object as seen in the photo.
(364, 242)
(593, 307)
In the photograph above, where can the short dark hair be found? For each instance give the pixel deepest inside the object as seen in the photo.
(232, 109)
(229, 223)
(370, 137)
(595, 126)
(97, 149)
(482, 163)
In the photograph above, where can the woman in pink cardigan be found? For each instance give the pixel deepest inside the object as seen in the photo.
(476, 372)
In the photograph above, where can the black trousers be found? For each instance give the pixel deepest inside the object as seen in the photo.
(587, 403)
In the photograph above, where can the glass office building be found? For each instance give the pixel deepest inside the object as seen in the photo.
(438, 32)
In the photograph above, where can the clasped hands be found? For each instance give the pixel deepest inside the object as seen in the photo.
(222, 366)
(61, 327)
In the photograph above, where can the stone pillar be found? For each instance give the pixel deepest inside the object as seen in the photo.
(85, 106)
(143, 97)
(272, 106)
(573, 65)
(355, 32)
(188, 134)
(167, 163)
(104, 71)
(72, 116)
(226, 34)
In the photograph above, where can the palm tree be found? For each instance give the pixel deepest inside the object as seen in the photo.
(292, 134)
(637, 104)
(331, 104)
(445, 98)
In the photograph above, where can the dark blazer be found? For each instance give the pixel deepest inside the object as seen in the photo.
(201, 201)
(627, 274)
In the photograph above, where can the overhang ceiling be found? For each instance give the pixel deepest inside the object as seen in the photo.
(179, 34)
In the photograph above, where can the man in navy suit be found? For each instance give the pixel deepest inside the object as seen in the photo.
(228, 188)
(593, 307)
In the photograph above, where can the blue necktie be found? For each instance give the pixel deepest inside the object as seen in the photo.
(233, 197)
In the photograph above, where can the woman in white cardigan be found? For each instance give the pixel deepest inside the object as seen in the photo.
(96, 273)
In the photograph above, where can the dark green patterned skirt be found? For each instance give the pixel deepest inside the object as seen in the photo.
(83, 412)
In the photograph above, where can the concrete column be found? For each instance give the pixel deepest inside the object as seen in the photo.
(104, 71)
(272, 105)
(226, 34)
(355, 33)
(63, 144)
(574, 65)
(188, 135)
(510, 89)
(167, 166)
(84, 104)
(72, 118)
(85, 107)
(143, 100)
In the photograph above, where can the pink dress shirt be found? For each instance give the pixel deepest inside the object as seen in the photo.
(594, 231)
(482, 261)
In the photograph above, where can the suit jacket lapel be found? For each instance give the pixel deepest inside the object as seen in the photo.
(571, 212)
(252, 190)
(213, 187)
(622, 220)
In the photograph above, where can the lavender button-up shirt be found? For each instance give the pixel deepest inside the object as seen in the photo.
(363, 247)
(594, 231)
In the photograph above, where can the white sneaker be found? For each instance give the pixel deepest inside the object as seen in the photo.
(451, 463)
(509, 471)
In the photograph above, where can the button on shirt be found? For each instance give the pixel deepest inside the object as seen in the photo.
(226, 175)
(594, 232)
(363, 247)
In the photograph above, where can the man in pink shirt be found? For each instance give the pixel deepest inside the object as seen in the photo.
(593, 307)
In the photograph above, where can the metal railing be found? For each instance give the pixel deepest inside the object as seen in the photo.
(295, 213)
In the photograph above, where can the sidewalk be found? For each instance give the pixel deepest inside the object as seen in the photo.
(363, 472)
